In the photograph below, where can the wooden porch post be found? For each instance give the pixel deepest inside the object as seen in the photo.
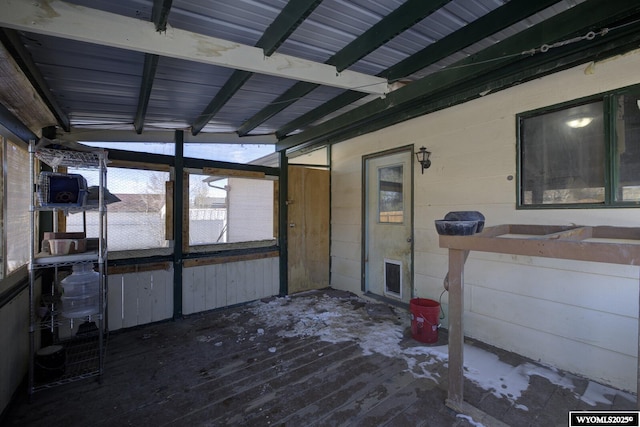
(456, 333)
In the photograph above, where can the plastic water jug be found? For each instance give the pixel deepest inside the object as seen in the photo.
(80, 292)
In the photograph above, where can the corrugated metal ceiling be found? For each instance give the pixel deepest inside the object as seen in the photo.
(100, 86)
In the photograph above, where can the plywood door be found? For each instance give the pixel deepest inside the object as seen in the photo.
(308, 227)
(388, 235)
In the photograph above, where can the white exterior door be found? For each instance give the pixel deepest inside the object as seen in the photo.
(388, 233)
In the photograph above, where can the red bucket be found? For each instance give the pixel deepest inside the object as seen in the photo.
(424, 319)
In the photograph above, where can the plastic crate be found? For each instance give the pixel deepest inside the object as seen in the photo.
(62, 190)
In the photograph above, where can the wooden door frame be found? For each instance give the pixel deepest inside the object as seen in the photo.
(363, 244)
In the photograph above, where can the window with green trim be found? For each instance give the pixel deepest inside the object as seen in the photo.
(584, 154)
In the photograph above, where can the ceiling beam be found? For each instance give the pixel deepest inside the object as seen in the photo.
(160, 13)
(148, 76)
(11, 40)
(587, 16)
(159, 16)
(14, 126)
(394, 23)
(162, 136)
(491, 23)
(60, 19)
(291, 16)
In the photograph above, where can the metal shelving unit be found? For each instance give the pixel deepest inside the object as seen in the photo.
(83, 350)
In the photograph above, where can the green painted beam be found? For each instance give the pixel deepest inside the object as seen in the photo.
(577, 20)
(404, 17)
(159, 16)
(178, 209)
(11, 41)
(294, 93)
(492, 82)
(491, 23)
(283, 223)
(291, 16)
(235, 82)
(15, 126)
(345, 98)
(148, 76)
(396, 22)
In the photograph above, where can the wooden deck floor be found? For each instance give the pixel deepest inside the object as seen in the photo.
(271, 364)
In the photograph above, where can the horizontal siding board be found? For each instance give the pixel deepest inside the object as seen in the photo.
(573, 356)
(591, 291)
(346, 233)
(344, 267)
(596, 328)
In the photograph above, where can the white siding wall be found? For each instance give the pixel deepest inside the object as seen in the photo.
(220, 285)
(574, 315)
(14, 342)
(139, 298)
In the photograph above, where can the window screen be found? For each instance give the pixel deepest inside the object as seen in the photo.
(137, 221)
(229, 209)
(16, 191)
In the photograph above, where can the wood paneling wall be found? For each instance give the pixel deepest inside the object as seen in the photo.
(138, 298)
(218, 285)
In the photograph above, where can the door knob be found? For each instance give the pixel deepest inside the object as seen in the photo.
(409, 239)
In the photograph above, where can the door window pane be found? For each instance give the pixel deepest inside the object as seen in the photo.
(390, 200)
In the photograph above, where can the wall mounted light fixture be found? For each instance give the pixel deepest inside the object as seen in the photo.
(579, 122)
(423, 158)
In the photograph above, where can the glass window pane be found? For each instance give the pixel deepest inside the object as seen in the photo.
(226, 210)
(234, 153)
(627, 130)
(137, 221)
(390, 200)
(166, 148)
(17, 194)
(563, 156)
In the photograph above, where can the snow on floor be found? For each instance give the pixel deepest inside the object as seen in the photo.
(339, 320)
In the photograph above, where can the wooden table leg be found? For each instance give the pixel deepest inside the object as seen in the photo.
(457, 258)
